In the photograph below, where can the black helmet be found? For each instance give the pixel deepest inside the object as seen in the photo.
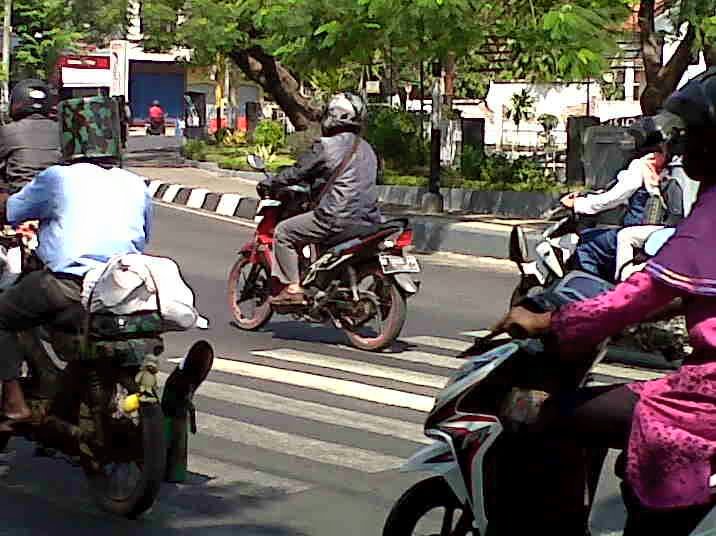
(344, 112)
(29, 97)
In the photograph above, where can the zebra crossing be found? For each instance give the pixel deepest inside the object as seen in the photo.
(339, 395)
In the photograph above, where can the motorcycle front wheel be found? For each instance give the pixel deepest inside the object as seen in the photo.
(381, 312)
(429, 508)
(249, 294)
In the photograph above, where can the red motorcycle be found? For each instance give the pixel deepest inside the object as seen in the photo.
(359, 279)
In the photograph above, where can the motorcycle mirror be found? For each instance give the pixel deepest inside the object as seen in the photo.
(657, 240)
(256, 162)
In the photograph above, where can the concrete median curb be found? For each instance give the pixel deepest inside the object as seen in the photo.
(431, 234)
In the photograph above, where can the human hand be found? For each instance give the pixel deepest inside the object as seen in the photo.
(568, 200)
(654, 164)
(520, 321)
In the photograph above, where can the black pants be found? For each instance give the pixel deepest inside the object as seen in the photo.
(33, 301)
(598, 418)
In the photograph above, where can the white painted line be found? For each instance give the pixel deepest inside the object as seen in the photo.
(171, 193)
(310, 410)
(224, 474)
(361, 391)
(228, 204)
(196, 197)
(439, 342)
(205, 214)
(294, 445)
(484, 333)
(153, 187)
(414, 356)
(627, 373)
(356, 367)
(614, 371)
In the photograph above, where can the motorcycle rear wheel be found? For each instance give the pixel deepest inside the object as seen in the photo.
(391, 316)
(411, 514)
(138, 497)
(261, 313)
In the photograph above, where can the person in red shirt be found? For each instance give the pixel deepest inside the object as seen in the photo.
(156, 118)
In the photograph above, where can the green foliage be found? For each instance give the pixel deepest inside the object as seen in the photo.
(496, 173)
(195, 150)
(520, 108)
(548, 122)
(47, 28)
(471, 162)
(395, 135)
(270, 134)
(331, 81)
(237, 138)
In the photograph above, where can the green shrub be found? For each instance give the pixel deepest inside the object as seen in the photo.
(395, 135)
(269, 133)
(195, 150)
(471, 162)
(298, 143)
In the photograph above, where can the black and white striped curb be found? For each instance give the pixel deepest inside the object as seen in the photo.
(225, 204)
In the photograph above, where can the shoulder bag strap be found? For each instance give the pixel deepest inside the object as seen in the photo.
(340, 169)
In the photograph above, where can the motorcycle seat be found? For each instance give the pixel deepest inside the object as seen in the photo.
(364, 231)
(107, 326)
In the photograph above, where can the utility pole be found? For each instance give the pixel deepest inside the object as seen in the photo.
(433, 201)
(6, 37)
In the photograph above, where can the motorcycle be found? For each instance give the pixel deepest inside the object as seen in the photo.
(156, 127)
(555, 258)
(359, 279)
(481, 427)
(91, 384)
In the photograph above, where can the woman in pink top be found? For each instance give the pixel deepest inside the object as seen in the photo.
(667, 426)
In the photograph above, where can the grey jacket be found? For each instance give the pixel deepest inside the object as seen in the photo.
(27, 147)
(353, 197)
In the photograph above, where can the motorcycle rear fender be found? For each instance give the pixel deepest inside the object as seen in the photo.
(405, 281)
(439, 459)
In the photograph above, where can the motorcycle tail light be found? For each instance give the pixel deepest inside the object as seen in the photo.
(404, 239)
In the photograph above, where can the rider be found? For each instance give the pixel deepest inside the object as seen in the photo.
(665, 425)
(89, 210)
(156, 112)
(349, 198)
(642, 180)
(31, 143)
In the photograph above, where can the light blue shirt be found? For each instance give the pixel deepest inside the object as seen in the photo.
(87, 214)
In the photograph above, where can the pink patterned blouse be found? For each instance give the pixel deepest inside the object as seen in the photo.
(673, 438)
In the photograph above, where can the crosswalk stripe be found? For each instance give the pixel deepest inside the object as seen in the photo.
(361, 391)
(415, 356)
(356, 367)
(483, 333)
(602, 368)
(223, 474)
(439, 342)
(310, 410)
(294, 445)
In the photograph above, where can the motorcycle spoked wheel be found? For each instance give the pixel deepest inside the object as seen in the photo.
(375, 326)
(429, 508)
(129, 486)
(257, 298)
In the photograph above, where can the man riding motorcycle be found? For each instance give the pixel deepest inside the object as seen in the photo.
(31, 143)
(665, 425)
(89, 211)
(637, 186)
(348, 200)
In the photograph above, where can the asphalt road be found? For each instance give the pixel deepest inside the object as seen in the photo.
(298, 435)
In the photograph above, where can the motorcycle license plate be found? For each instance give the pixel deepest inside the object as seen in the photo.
(393, 264)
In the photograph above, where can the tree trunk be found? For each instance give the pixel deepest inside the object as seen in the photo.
(450, 74)
(710, 55)
(264, 69)
(661, 80)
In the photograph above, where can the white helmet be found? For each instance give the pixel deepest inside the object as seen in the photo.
(344, 111)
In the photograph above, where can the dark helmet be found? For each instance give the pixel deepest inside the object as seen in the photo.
(90, 130)
(155, 103)
(344, 112)
(689, 118)
(29, 97)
